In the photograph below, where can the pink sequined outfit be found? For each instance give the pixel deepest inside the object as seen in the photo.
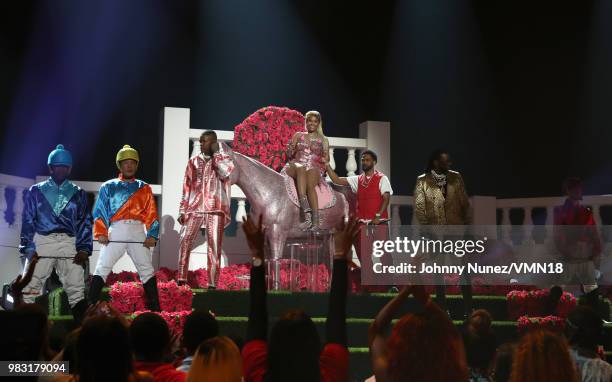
(205, 204)
(309, 152)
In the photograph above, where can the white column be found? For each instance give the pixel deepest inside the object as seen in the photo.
(18, 205)
(3, 207)
(378, 135)
(527, 220)
(197, 147)
(528, 223)
(175, 154)
(505, 230)
(351, 163)
(596, 214)
(506, 216)
(396, 219)
(332, 161)
(550, 214)
(241, 212)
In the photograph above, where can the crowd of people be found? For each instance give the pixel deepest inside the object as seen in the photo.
(423, 345)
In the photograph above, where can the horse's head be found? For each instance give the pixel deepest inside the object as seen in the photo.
(248, 170)
(235, 175)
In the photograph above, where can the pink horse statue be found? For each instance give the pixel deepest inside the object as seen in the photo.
(267, 194)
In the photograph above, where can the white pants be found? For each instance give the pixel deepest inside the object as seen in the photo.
(126, 230)
(70, 274)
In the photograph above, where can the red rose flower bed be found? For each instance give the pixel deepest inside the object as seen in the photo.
(232, 277)
(552, 323)
(264, 135)
(123, 276)
(129, 297)
(533, 303)
(315, 278)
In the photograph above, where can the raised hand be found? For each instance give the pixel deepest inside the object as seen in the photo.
(21, 281)
(103, 308)
(344, 239)
(255, 235)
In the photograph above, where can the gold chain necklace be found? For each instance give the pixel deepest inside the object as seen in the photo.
(368, 178)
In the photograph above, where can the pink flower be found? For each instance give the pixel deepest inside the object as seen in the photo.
(533, 303)
(129, 297)
(554, 323)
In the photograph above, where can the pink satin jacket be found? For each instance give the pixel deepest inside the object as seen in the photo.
(206, 187)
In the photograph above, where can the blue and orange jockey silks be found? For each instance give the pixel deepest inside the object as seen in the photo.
(52, 208)
(123, 199)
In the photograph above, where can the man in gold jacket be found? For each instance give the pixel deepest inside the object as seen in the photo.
(440, 199)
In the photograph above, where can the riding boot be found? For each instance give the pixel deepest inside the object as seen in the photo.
(151, 296)
(95, 289)
(315, 220)
(305, 206)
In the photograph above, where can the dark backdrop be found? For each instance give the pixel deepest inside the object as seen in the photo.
(518, 92)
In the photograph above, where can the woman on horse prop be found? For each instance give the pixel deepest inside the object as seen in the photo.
(308, 152)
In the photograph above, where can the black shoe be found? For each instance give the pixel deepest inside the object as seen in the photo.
(95, 289)
(393, 289)
(78, 311)
(151, 296)
(212, 287)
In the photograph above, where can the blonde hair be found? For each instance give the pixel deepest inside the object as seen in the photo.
(316, 114)
(217, 359)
